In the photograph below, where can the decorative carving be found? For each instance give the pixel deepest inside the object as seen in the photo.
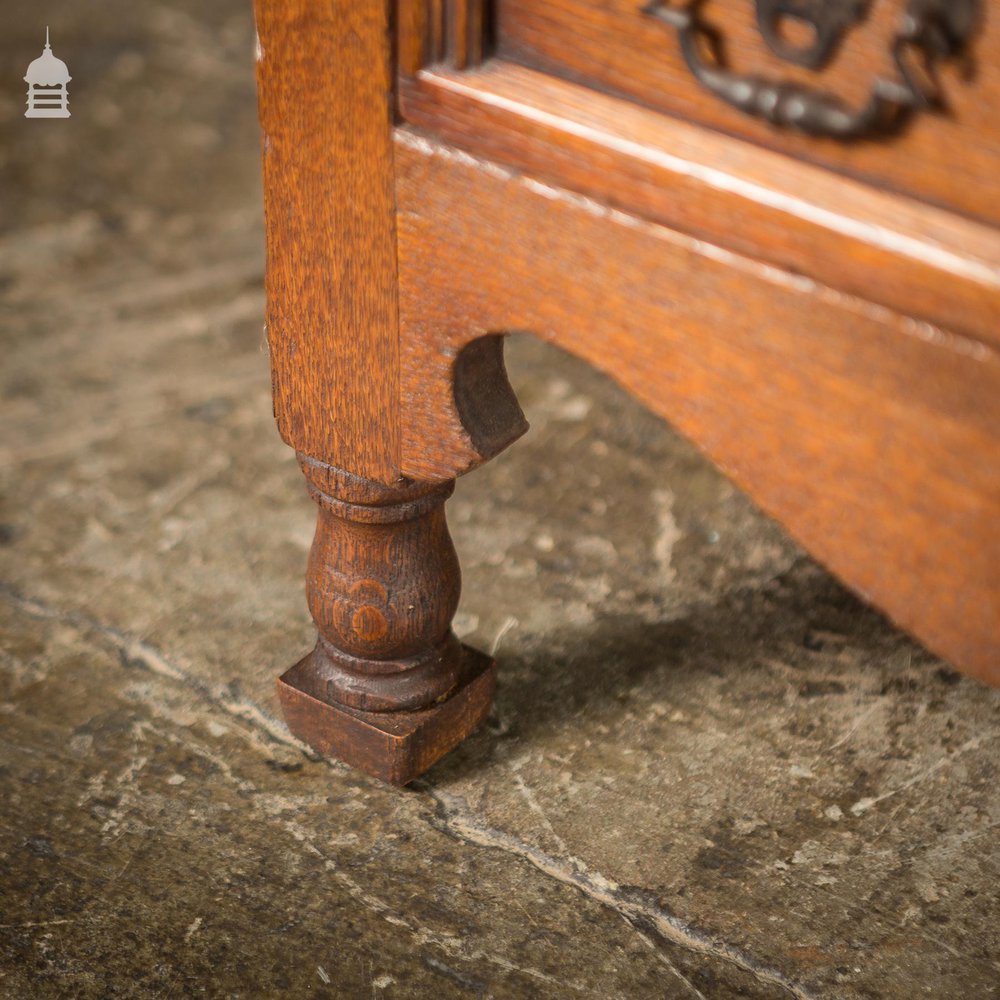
(382, 585)
(456, 33)
(929, 31)
(388, 688)
(829, 23)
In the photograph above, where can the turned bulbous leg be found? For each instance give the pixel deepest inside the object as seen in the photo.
(388, 687)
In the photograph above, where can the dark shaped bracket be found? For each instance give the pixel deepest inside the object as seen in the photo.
(929, 31)
(829, 23)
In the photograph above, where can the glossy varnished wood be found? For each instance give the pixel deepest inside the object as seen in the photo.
(821, 319)
(952, 160)
(874, 439)
(324, 75)
(388, 687)
(900, 252)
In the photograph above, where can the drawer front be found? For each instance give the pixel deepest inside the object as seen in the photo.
(948, 156)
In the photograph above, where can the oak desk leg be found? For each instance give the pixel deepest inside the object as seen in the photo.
(388, 687)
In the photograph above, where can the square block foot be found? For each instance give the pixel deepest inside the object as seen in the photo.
(394, 746)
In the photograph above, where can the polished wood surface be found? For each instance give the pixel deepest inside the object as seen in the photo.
(900, 252)
(952, 160)
(820, 318)
(323, 72)
(388, 687)
(875, 441)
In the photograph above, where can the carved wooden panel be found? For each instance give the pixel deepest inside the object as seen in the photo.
(949, 155)
(809, 33)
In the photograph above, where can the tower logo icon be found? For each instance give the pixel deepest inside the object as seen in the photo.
(47, 78)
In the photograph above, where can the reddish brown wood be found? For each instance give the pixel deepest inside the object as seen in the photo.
(903, 253)
(952, 160)
(874, 438)
(324, 79)
(393, 746)
(383, 585)
(823, 326)
(388, 687)
(455, 32)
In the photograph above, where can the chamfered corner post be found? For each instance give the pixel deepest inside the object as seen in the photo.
(388, 688)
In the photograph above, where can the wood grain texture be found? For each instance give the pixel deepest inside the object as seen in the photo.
(383, 585)
(468, 26)
(873, 438)
(324, 86)
(899, 252)
(447, 32)
(393, 746)
(388, 687)
(951, 160)
(832, 346)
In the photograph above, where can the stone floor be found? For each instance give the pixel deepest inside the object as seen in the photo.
(711, 772)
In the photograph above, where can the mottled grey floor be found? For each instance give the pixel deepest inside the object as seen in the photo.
(711, 772)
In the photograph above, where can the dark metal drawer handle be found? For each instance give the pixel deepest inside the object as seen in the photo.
(930, 30)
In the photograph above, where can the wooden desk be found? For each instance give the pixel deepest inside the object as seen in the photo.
(775, 223)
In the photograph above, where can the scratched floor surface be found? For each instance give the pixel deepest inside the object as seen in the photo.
(711, 772)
